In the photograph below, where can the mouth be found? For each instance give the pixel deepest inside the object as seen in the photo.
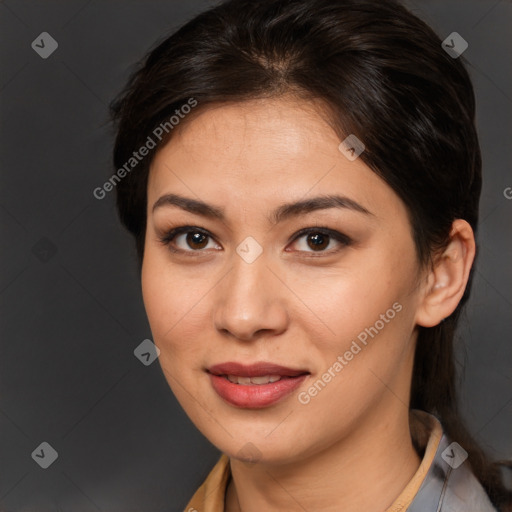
(261, 369)
(254, 386)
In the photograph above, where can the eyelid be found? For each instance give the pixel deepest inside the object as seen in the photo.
(174, 232)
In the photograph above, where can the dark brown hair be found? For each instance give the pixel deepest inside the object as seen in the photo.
(384, 77)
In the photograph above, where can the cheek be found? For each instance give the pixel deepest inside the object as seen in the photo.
(160, 293)
(364, 356)
(174, 300)
(343, 302)
(371, 312)
(158, 301)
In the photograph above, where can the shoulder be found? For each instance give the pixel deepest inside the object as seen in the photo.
(450, 485)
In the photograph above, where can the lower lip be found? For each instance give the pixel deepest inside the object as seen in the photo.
(255, 396)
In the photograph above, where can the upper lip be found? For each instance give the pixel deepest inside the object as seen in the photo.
(258, 369)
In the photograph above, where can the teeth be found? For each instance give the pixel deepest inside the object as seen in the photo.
(245, 381)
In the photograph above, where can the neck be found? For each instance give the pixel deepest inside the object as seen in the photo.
(364, 471)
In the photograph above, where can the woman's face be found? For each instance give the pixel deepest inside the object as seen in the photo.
(243, 283)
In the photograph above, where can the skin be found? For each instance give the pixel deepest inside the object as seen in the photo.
(349, 448)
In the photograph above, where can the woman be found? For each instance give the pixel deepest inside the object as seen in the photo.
(302, 180)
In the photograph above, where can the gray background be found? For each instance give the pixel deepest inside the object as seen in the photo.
(69, 289)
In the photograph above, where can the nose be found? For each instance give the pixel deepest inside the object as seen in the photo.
(250, 302)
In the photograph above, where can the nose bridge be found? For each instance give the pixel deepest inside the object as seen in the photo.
(248, 300)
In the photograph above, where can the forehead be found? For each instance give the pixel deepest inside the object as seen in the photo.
(256, 129)
(261, 152)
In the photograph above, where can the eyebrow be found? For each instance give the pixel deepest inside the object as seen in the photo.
(280, 214)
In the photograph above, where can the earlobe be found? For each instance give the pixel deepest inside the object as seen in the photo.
(447, 279)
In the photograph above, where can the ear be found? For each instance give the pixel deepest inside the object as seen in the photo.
(447, 279)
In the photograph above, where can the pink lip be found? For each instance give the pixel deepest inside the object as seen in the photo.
(255, 396)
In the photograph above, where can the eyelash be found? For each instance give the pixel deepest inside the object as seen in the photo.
(168, 237)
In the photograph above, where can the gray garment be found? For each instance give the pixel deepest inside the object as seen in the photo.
(450, 487)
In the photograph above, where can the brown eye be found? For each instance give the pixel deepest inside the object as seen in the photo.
(317, 241)
(187, 239)
(196, 240)
(326, 241)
